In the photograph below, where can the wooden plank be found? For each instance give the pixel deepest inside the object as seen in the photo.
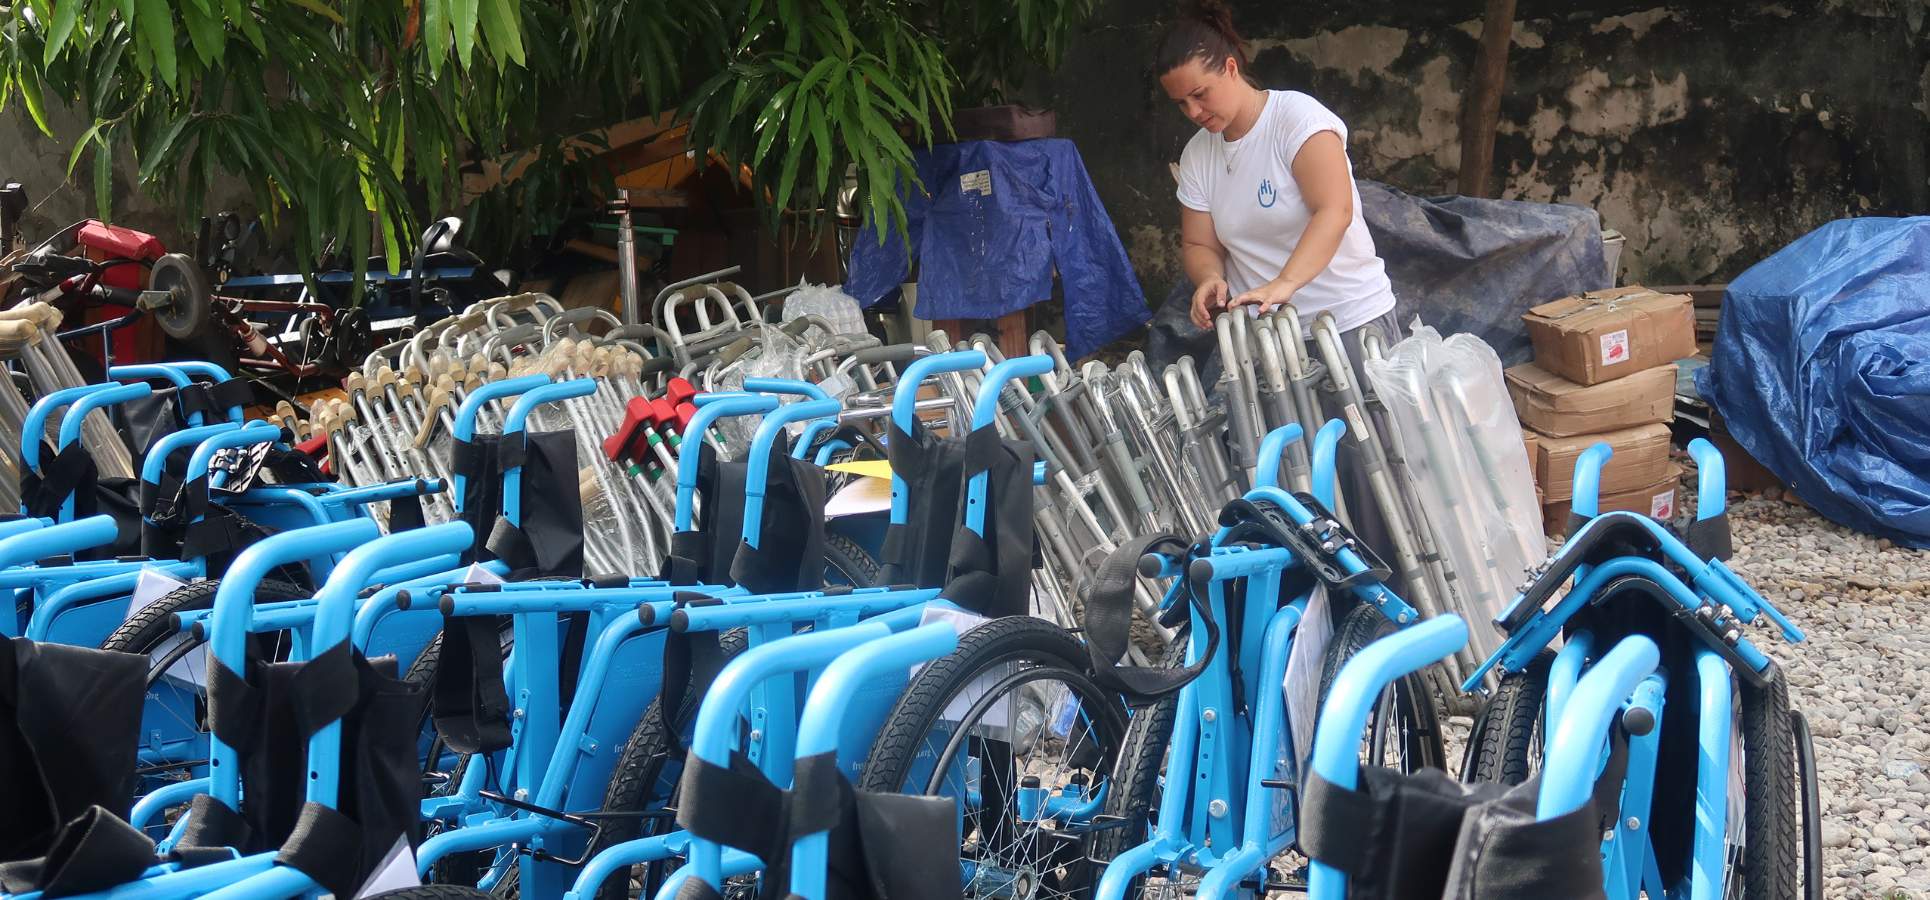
(1482, 115)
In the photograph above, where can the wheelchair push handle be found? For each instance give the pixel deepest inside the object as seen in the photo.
(63, 539)
(1326, 450)
(710, 408)
(791, 386)
(1575, 752)
(553, 392)
(492, 390)
(1272, 448)
(1588, 480)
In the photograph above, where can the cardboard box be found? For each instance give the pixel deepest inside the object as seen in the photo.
(1640, 458)
(1604, 335)
(1551, 404)
(1656, 500)
(1531, 442)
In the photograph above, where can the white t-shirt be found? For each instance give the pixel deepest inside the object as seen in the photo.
(1247, 185)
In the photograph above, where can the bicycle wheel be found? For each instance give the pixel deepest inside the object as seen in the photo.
(645, 781)
(1132, 803)
(1011, 727)
(174, 722)
(1403, 732)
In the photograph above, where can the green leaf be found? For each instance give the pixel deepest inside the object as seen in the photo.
(817, 74)
(321, 9)
(462, 17)
(435, 33)
(821, 136)
(243, 17)
(157, 30)
(391, 248)
(104, 182)
(503, 30)
(882, 82)
(127, 11)
(65, 14)
(29, 82)
(155, 156)
(789, 179)
(86, 139)
(205, 32)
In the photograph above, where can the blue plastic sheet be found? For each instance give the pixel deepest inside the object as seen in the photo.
(1822, 372)
(999, 220)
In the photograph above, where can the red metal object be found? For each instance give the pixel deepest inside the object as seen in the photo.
(101, 242)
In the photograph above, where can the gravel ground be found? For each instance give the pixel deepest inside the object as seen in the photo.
(1860, 679)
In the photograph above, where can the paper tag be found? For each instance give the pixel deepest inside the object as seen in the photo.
(862, 495)
(1302, 684)
(1662, 506)
(152, 585)
(980, 181)
(396, 871)
(1615, 347)
(476, 574)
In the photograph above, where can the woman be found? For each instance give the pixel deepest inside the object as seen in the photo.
(1269, 209)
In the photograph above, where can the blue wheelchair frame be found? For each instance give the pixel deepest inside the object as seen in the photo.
(1702, 588)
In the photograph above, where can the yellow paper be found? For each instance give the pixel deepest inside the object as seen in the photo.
(869, 468)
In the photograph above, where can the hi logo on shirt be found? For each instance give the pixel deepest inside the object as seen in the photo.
(1267, 194)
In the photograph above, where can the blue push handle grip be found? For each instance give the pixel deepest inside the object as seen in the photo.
(206, 370)
(247, 435)
(57, 540)
(107, 396)
(1711, 479)
(1355, 692)
(336, 602)
(155, 463)
(178, 376)
(1573, 756)
(985, 410)
(786, 386)
(904, 400)
(547, 393)
(1587, 501)
(1272, 448)
(810, 436)
(700, 422)
(1326, 450)
(42, 410)
(757, 474)
(495, 390)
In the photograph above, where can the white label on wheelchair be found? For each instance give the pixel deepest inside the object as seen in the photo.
(476, 574)
(397, 871)
(152, 585)
(1302, 685)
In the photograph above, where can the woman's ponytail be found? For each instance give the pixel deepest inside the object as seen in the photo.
(1204, 32)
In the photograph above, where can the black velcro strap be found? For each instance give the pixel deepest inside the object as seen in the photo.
(94, 852)
(323, 843)
(819, 794)
(213, 400)
(1395, 836)
(324, 689)
(1109, 620)
(736, 806)
(688, 551)
(71, 472)
(214, 832)
(405, 513)
(233, 705)
(1710, 538)
(220, 531)
(469, 703)
(512, 451)
(511, 545)
(470, 459)
(691, 662)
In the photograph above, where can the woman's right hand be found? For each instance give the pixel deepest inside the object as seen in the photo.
(1208, 299)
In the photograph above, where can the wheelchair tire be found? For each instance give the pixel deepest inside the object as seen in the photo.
(845, 559)
(1505, 744)
(1416, 724)
(147, 630)
(1770, 866)
(1135, 793)
(1019, 651)
(637, 786)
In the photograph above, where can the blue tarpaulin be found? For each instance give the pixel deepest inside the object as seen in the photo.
(1822, 372)
(999, 220)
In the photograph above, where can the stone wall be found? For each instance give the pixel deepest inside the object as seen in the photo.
(1711, 134)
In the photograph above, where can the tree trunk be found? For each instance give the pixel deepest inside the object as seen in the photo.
(1483, 110)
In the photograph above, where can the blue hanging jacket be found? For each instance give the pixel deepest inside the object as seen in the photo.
(994, 222)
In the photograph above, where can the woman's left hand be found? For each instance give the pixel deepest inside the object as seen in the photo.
(1267, 296)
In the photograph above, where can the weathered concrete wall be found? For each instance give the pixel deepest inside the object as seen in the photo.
(1711, 134)
(40, 163)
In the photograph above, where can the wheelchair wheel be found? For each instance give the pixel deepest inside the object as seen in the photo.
(1766, 864)
(1134, 796)
(645, 781)
(1505, 744)
(1010, 725)
(174, 718)
(1404, 731)
(848, 563)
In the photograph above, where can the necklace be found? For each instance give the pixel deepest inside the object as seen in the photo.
(1231, 149)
